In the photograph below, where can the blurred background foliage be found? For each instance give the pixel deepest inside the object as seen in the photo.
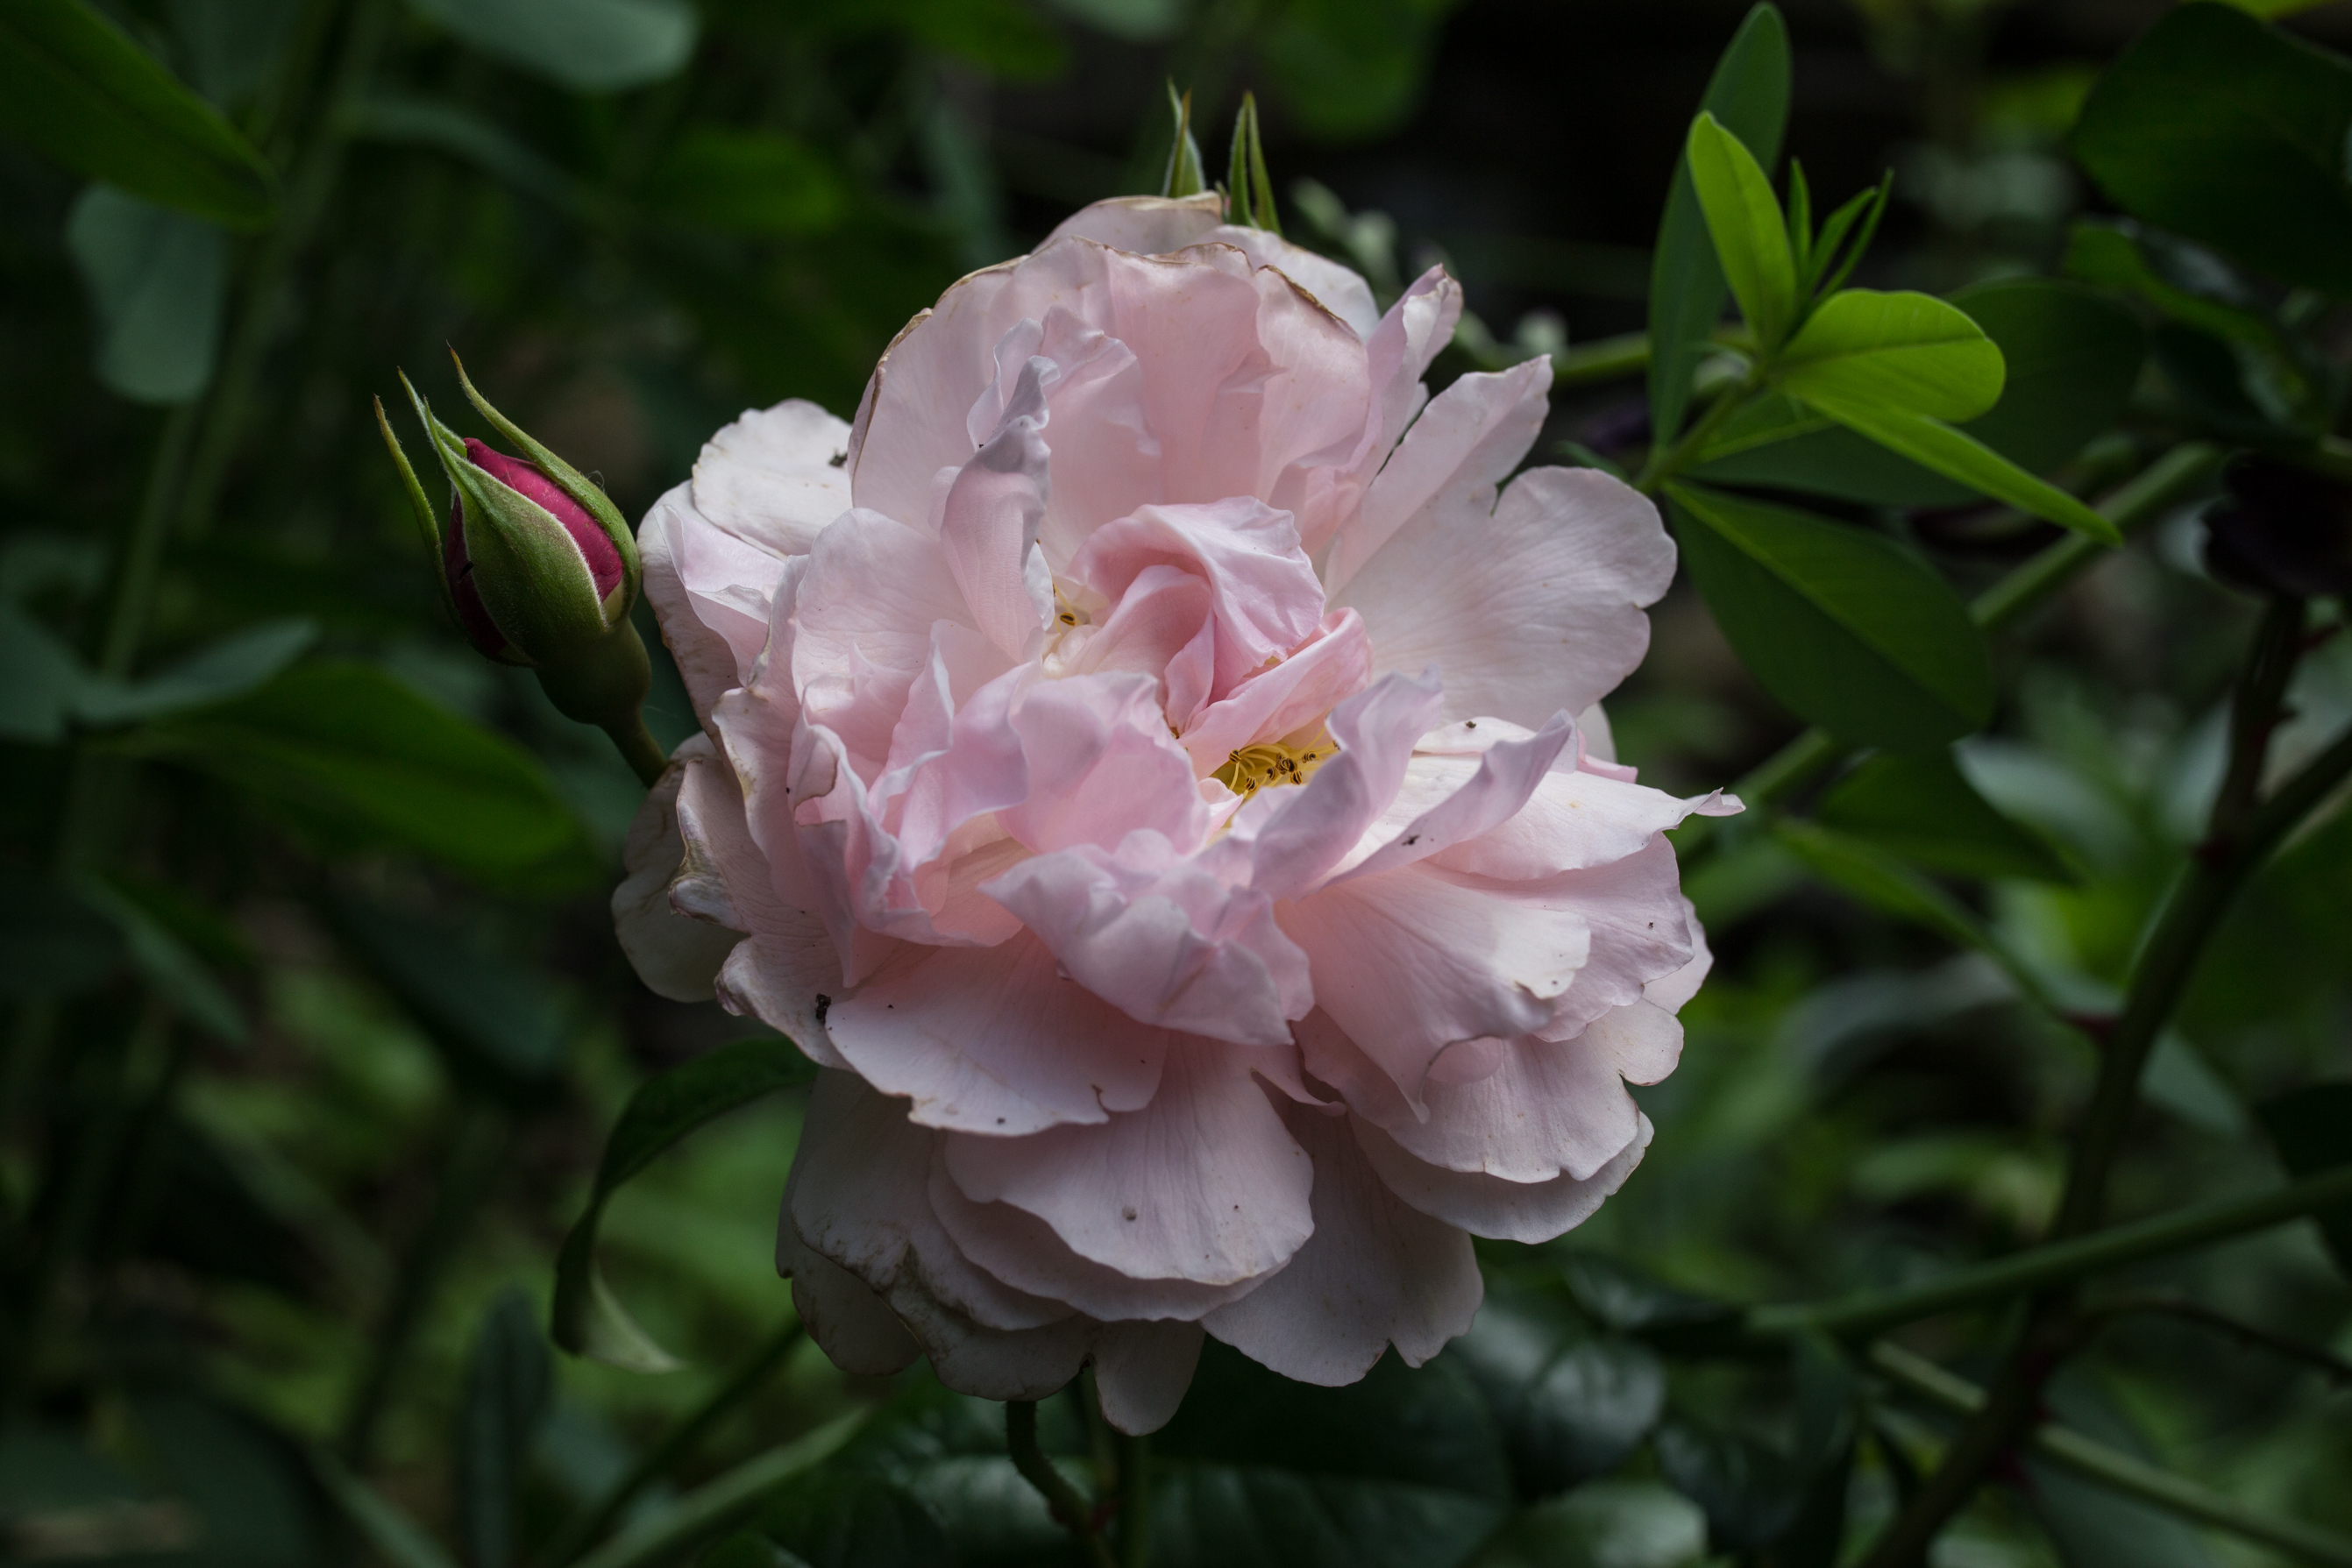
(316, 1025)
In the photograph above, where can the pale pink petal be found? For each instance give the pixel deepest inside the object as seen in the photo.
(853, 1325)
(1375, 1273)
(706, 633)
(1672, 991)
(993, 1040)
(776, 476)
(1506, 776)
(1489, 1206)
(1410, 961)
(1099, 764)
(1600, 741)
(1551, 1107)
(1340, 289)
(991, 520)
(1571, 820)
(1364, 1087)
(1643, 1040)
(676, 955)
(1191, 320)
(1202, 1184)
(1141, 1371)
(1453, 460)
(1332, 667)
(1146, 226)
(1164, 939)
(1633, 909)
(1296, 834)
(1534, 610)
(858, 1192)
(862, 628)
(1018, 1247)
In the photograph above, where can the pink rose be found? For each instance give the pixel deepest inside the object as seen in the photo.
(1141, 770)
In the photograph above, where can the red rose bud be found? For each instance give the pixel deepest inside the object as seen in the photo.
(538, 569)
(607, 571)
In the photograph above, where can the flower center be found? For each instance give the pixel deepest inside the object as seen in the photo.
(1254, 768)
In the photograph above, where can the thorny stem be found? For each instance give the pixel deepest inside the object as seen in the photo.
(2060, 1262)
(2096, 1462)
(2242, 838)
(2334, 1367)
(675, 1444)
(1062, 1499)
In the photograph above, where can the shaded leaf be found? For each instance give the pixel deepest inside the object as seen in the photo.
(587, 1320)
(1748, 96)
(246, 1483)
(594, 45)
(1850, 630)
(349, 755)
(1884, 883)
(1606, 1524)
(232, 44)
(508, 1381)
(747, 1549)
(1961, 457)
(1571, 1406)
(2092, 1526)
(853, 1521)
(1350, 69)
(393, 1536)
(498, 1025)
(2072, 355)
(158, 282)
(1751, 1494)
(173, 973)
(749, 182)
(1906, 351)
(73, 85)
(1632, 1302)
(238, 663)
(46, 679)
(1922, 807)
(1136, 21)
(459, 131)
(2219, 128)
(53, 942)
(1743, 219)
(2311, 1128)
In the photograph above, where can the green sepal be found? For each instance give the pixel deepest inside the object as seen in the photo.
(571, 482)
(428, 521)
(1185, 176)
(1249, 190)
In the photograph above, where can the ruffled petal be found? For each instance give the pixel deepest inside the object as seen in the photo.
(1141, 1371)
(1145, 225)
(1376, 1272)
(1533, 610)
(1488, 1205)
(994, 1041)
(1202, 1185)
(1295, 835)
(675, 954)
(776, 478)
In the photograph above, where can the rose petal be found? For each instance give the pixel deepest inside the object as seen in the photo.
(1491, 1207)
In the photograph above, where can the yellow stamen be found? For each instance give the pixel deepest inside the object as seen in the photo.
(1254, 768)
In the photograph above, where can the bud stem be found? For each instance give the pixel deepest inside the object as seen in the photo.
(606, 686)
(638, 747)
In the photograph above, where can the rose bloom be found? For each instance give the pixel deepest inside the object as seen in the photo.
(1139, 769)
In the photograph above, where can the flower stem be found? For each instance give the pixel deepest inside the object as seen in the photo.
(1666, 463)
(1134, 1500)
(2096, 1462)
(638, 749)
(675, 1444)
(2060, 1262)
(2242, 838)
(1062, 1499)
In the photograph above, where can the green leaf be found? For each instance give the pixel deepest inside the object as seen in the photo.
(1604, 1524)
(240, 663)
(2215, 126)
(76, 89)
(747, 182)
(744, 1549)
(232, 44)
(1849, 629)
(1908, 351)
(587, 1320)
(1750, 235)
(462, 133)
(1884, 883)
(2073, 356)
(1632, 1302)
(52, 942)
(1957, 455)
(1751, 1494)
(508, 1383)
(594, 46)
(1748, 95)
(176, 975)
(1922, 807)
(2311, 1128)
(46, 679)
(392, 1535)
(1402, 1470)
(1350, 69)
(245, 1482)
(2092, 1526)
(355, 758)
(1572, 1406)
(1132, 21)
(158, 282)
(499, 1026)
(830, 1520)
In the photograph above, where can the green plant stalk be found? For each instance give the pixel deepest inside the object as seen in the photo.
(478, 1141)
(2062, 1262)
(2094, 1461)
(1603, 360)
(2132, 505)
(680, 1441)
(2333, 1367)
(1134, 1500)
(2165, 966)
(1664, 464)
(722, 1502)
(1062, 1500)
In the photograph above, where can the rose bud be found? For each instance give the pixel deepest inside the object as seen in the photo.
(2280, 530)
(538, 570)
